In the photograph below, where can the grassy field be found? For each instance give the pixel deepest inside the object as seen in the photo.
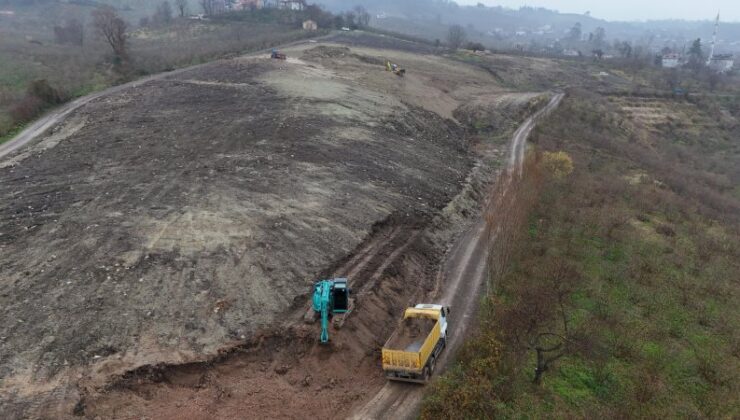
(623, 278)
(28, 50)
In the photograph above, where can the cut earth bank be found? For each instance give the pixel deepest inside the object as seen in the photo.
(158, 247)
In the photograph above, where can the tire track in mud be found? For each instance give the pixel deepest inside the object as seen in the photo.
(360, 259)
(288, 360)
(294, 344)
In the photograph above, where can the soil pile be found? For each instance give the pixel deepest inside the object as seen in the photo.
(412, 334)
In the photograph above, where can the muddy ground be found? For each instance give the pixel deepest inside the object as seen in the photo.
(158, 247)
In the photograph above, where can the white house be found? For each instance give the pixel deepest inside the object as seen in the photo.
(248, 4)
(292, 4)
(310, 25)
(722, 63)
(671, 61)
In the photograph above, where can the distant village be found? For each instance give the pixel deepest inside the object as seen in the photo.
(577, 43)
(719, 63)
(667, 48)
(225, 6)
(229, 5)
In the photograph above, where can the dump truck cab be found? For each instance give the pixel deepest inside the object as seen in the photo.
(443, 310)
(411, 353)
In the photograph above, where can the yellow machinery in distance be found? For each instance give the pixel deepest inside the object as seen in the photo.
(394, 68)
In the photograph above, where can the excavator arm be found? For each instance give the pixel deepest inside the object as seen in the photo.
(330, 297)
(326, 287)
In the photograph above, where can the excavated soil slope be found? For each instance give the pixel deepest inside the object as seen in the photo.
(165, 222)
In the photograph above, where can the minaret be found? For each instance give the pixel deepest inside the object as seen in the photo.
(714, 40)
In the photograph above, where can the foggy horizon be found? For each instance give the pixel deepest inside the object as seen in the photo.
(631, 10)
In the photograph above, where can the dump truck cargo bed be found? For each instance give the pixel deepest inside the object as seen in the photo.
(410, 337)
(410, 353)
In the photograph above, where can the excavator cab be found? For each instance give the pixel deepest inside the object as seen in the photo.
(330, 297)
(340, 296)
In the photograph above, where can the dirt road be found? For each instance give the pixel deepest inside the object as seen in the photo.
(464, 273)
(33, 131)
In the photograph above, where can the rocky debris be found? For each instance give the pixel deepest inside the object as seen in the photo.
(282, 370)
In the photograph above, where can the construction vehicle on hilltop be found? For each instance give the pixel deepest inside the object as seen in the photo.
(411, 353)
(330, 297)
(277, 55)
(394, 68)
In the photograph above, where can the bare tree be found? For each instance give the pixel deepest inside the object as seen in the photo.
(349, 19)
(625, 49)
(363, 17)
(575, 33)
(163, 15)
(539, 321)
(113, 29)
(696, 55)
(208, 6)
(599, 38)
(182, 7)
(714, 79)
(456, 36)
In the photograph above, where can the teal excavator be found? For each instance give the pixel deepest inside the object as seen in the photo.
(330, 297)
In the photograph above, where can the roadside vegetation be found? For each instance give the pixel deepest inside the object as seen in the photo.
(614, 274)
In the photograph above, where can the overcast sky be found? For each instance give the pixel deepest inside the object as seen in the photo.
(633, 9)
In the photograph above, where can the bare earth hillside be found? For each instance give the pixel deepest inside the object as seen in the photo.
(191, 214)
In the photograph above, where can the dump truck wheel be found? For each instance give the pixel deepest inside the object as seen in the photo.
(427, 374)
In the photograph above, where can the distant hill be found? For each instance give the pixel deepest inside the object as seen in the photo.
(431, 18)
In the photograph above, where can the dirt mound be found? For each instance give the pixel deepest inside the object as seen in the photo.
(361, 39)
(324, 51)
(412, 333)
(329, 52)
(186, 215)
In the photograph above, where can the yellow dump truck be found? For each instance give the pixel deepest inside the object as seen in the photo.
(412, 351)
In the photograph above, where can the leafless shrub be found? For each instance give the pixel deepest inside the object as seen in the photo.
(211, 7)
(456, 36)
(71, 33)
(163, 14)
(363, 17)
(27, 109)
(43, 90)
(182, 7)
(665, 230)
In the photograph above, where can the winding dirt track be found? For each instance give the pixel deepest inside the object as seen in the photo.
(41, 125)
(463, 274)
(33, 131)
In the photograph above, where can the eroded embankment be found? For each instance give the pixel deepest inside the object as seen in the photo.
(162, 228)
(286, 373)
(168, 221)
